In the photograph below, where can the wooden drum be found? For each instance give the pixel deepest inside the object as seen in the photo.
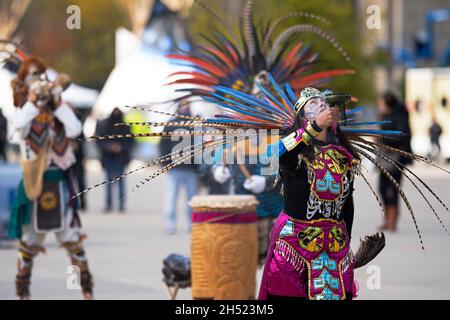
(224, 247)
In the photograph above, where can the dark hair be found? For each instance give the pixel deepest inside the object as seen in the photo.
(392, 101)
(20, 90)
(23, 70)
(115, 116)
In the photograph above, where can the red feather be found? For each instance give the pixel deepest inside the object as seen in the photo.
(193, 75)
(215, 70)
(319, 76)
(233, 54)
(287, 63)
(222, 56)
(194, 82)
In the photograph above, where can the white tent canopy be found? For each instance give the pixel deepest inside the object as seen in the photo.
(76, 95)
(138, 77)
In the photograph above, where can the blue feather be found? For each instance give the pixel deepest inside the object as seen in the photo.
(243, 94)
(249, 99)
(226, 116)
(280, 92)
(240, 111)
(234, 104)
(271, 97)
(353, 111)
(291, 93)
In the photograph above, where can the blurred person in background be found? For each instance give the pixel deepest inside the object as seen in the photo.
(393, 110)
(114, 155)
(3, 136)
(182, 175)
(435, 132)
(78, 167)
(44, 201)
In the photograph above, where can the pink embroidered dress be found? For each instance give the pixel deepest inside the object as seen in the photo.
(309, 255)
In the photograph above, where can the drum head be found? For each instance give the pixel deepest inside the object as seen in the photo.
(224, 203)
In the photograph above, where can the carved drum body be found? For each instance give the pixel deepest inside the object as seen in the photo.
(224, 247)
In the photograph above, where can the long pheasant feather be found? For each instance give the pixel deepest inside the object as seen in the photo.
(398, 188)
(400, 167)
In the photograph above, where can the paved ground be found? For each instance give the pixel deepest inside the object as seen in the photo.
(126, 251)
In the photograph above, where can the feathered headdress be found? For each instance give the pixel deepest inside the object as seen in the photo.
(276, 111)
(235, 62)
(225, 74)
(12, 54)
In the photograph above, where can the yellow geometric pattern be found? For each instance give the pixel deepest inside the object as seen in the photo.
(48, 201)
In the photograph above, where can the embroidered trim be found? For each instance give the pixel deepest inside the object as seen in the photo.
(302, 135)
(328, 208)
(348, 261)
(285, 250)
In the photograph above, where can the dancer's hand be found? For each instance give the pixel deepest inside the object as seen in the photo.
(255, 184)
(32, 97)
(221, 174)
(328, 118)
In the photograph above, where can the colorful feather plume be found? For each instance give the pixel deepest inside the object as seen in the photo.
(235, 62)
(225, 73)
(273, 109)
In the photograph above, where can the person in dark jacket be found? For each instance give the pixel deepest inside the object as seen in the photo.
(115, 154)
(78, 146)
(435, 132)
(393, 110)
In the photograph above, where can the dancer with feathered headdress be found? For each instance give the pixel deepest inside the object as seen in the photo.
(319, 156)
(44, 202)
(319, 153)
(242, 63)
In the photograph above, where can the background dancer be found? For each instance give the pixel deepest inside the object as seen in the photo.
(44, 200)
